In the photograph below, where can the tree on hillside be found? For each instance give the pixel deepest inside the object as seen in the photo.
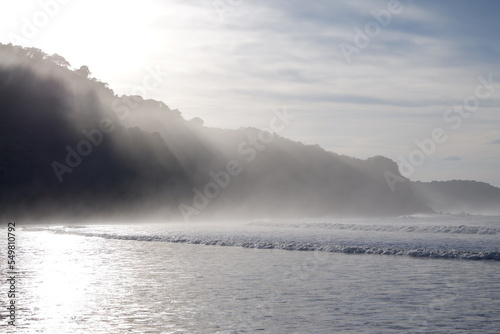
(59, 60)
(84, 70)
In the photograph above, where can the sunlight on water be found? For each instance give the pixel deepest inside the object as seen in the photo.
(72, 283)
(60, 272)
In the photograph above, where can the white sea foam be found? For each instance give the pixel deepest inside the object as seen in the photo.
(108, 279)
(463, 229)
(445, 238)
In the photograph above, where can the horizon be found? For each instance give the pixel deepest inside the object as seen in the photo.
(364, 80)
(230, 166)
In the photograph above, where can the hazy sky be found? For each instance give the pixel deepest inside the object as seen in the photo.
(360, 82)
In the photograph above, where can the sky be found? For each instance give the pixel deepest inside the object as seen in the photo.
(414, 81)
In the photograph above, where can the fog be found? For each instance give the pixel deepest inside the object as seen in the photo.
(71, 148)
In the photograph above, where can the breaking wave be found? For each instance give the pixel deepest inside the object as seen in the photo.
(461, 229)
(297, 245)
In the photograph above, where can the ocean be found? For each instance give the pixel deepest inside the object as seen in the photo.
(412, 274)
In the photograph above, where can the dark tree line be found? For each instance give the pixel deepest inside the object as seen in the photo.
(147, 158)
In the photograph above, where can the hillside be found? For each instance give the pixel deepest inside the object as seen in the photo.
(70, 146)
(458, 196)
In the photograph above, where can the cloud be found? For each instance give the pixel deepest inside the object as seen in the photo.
(452, 158)
(268, 54)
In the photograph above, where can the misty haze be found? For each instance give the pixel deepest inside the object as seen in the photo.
(241, 167)
(72, 147)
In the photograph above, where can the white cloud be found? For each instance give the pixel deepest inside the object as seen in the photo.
(269, 54)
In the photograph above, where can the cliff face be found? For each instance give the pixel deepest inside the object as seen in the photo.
(69, 145)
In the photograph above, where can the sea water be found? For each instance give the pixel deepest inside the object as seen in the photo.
(414, 274)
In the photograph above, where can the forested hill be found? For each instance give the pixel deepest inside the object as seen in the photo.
(70, 146)
(459, 196)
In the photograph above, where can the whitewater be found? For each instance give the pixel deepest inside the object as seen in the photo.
(411, 274)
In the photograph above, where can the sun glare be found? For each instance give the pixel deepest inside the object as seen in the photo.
(106, 36)
(62, 280)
